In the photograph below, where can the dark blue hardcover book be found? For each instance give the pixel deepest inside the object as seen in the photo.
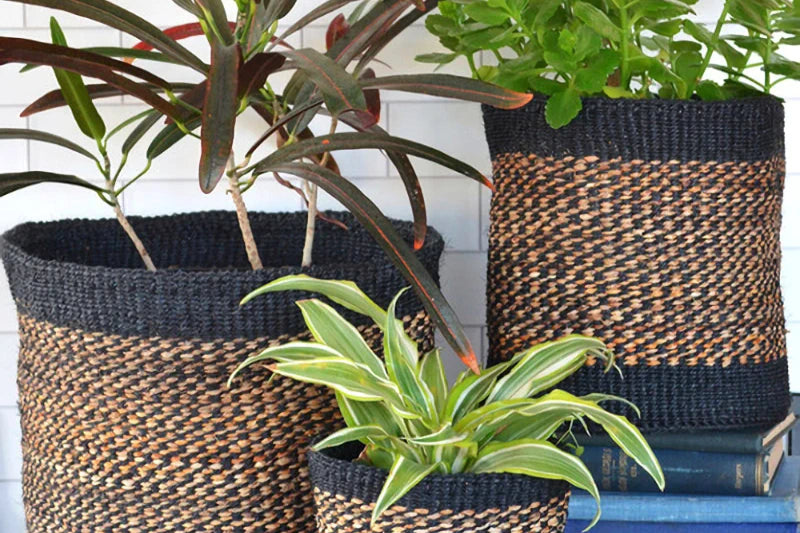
(651, 527)
(780, 507)
(686, 472)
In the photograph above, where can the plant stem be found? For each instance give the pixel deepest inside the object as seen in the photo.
(312, 192)
(121, 218)
(624, 68)
(128, 229)
(711, 49)
(244, 220)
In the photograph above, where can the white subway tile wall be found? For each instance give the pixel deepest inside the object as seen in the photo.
(458, 207)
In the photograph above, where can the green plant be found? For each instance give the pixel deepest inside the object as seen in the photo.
(569, 49)
(413, 424)
(244, 55)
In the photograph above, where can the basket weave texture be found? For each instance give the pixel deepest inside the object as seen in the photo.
(127, 422)
(655, 226)
(345, 495)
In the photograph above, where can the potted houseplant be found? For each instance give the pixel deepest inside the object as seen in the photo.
(638, 196)
(487, 454)
(125, 417)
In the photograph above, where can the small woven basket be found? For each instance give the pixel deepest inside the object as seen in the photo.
(127, 422)
(345, 494)
(653, 225)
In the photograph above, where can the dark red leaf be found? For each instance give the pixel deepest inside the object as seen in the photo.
(373, 96)
(253, 74)
(336, 30)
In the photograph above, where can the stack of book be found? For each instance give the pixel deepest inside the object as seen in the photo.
(716, 481)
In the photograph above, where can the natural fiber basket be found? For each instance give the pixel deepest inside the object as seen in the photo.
(655, 226)
(345, 494)
(127, 423)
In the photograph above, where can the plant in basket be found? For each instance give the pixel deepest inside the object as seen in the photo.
(74, 281)
(633, 191)
(491, 452)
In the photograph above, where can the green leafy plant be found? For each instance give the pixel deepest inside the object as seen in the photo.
(569, 49)
(245, 55)
(507, 419)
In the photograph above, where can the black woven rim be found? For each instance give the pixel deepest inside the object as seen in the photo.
(86, 274)
(333, 471)
(650, 130)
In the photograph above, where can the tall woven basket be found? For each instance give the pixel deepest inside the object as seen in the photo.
(127, 422)
(655, 226)
(346, 492)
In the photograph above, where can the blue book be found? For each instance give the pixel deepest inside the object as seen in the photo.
(651, 527)
(782, 506)
(687, 472)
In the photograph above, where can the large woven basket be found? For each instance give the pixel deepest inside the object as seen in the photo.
(127, 423)
(346, 492)
(655, 226)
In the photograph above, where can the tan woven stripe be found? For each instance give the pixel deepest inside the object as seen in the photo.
(143, 435)
(671, 263)
(338, 514)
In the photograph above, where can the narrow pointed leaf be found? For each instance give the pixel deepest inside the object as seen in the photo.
(363, 141)
(254, 73)
(277, 125)
(471, 391)
(215, 15)
(13, 50)
(141, 129)
(345, 293)
(169, 136)
(109, 14)
(449, 86)
(339, 89)
(544, 366)
(404, 476)
(331, 329)
(357, 413)
(288, 353)
(315, 14)
(43, 136)
(432, 373)
(219, 114)
(537, 459)
(17, 180)
(367, 29)
(55, 99)
(401, 363)
(75, 93)
(343, 436)
(446, 435)
(352, 380)
(397, 251)
(381, 41)
(410, 181)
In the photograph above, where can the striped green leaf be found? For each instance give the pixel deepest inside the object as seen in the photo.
(546, 365)
(404, 476)
(353, 380)
(445, 435)
(287, 353)
(357, 413)
(401, 362)
(350, 434)
(330, 328)
(537, 458)
(345, 293)
(471, 391)
(432, 373)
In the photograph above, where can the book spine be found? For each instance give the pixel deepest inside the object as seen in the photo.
(719, 442)
(578, 526)
(685, 472)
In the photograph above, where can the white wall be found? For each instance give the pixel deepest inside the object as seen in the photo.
(458, 208)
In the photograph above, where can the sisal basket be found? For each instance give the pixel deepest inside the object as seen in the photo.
(127, 422)
(655, 226)
(345, 495)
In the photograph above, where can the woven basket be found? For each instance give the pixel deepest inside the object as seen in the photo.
(127, 423)
(655, 226)
(345, 495)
